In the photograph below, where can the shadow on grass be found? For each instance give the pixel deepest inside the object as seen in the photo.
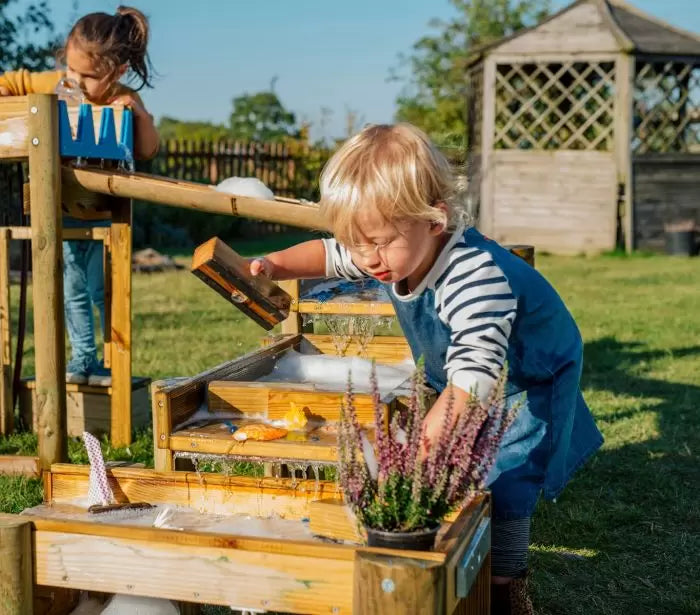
(625, 533)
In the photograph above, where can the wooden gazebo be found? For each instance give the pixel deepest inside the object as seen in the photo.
(584, 130)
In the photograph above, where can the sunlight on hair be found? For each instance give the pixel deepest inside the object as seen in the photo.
(395, 170)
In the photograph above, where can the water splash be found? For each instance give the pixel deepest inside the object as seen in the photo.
(69, 91)
(127, 164)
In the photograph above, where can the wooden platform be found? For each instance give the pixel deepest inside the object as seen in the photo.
(89, 407)
(246, 572)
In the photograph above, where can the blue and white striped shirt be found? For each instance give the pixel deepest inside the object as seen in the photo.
(473, 299)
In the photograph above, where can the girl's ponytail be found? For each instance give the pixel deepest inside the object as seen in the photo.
(133, 28)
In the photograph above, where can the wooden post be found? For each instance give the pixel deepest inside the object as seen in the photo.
(292, 324)
(120, 335)
(162, 428)
(397, 585)
(486, 204)
(623, 133)
(16, 575)
(47, 276)
(7, 415)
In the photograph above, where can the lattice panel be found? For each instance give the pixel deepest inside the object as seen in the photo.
(667, 108)
(555, 106)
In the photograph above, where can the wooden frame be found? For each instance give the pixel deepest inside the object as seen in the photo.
(244, 572)
(175, 403)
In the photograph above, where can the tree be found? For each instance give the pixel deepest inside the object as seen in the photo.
(434, 97)
(171, 128)
(27, 39)
(261, 117)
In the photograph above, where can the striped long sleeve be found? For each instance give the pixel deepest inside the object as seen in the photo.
(339, 263)
(475, 300)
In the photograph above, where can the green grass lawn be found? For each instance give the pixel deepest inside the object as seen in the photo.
(625, 535)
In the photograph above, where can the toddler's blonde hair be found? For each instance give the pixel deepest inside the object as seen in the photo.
(394, 169)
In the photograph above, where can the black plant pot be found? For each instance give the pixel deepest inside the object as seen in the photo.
(418, 540)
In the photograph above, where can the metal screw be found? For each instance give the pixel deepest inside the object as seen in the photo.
(162, 436)
(335, 609)
(34, 110)
(388, 586)
(160, 404)
(35, 141)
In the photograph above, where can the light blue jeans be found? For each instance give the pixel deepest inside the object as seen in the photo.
(83, 289)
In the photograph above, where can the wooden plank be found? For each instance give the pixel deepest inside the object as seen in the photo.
(120, 319)
(325, 449)
(341, 307)
(96, 234)
(190, 195)
(208, 492)
(7, 414)
(273, 400)
(16, 583)
(397, 586)
(47, 272)
(20, 465)
(385, 349)
(214, 575)
(332, 518)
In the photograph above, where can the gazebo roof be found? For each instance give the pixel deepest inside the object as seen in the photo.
(632, 30)
(650, 35)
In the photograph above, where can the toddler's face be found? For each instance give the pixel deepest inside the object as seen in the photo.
(95, 83)
(394, 251)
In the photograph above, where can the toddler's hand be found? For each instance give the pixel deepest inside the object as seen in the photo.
(261, 266)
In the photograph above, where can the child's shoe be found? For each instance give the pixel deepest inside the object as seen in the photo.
(511, 598)
(75, 373)
(100, 376)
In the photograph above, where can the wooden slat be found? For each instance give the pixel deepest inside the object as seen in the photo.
(274, 401)
(120, 330)
(325, 449)
(7, 415)
(385, 349)
(332, 518)
(208, 492)
(243, 579)
(20, 465)
(45, 189)
(340, 307)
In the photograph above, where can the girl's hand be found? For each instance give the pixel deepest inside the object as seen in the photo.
(131, 102)
(262, 266)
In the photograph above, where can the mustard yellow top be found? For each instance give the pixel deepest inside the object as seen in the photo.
(22, 82)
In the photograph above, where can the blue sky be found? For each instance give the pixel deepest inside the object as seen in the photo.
(324, 53)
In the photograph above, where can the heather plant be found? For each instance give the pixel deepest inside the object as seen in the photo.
(392, 485)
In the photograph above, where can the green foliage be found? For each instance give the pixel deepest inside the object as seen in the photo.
(434, 97)
(171, 128)
(261, 117)
(27, 38)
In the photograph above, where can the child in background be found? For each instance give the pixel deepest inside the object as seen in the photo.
(99, 51)
(467, 306)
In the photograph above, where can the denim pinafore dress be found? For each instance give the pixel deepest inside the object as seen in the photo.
(554, 432)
